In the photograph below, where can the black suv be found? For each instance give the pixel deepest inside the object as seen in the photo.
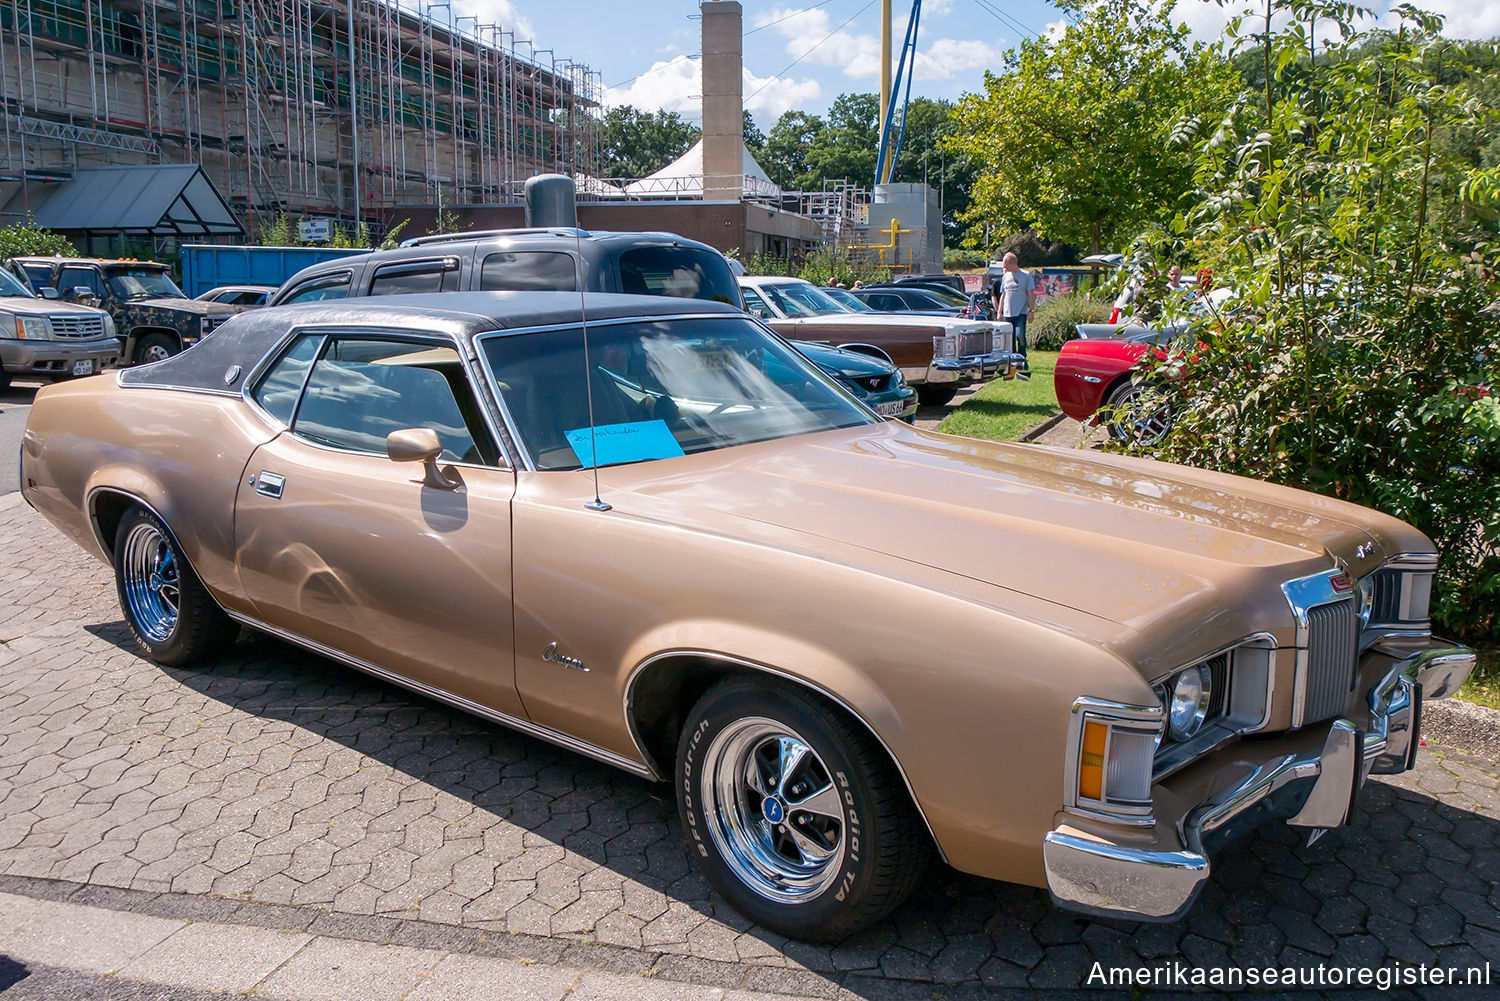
(514, 260)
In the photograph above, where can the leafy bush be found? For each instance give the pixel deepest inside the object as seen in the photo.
(767, 264)
(827, 264)
(964, 260)
(1360, 358)
(1053, 321)
(28, 240)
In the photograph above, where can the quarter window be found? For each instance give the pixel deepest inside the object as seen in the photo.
(326, 287)
(278, 390)
(409, 279)
(755, 304)
(538, 271)
(360, 390)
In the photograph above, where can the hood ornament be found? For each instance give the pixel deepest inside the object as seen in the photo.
(1364, 549)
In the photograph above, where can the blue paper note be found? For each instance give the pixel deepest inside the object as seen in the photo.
(618, 443)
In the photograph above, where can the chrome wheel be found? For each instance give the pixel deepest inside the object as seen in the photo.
(1142, 414)
(773, 810)
(155, 352)
(152, 591)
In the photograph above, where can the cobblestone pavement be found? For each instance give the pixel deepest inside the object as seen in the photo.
(287, 790)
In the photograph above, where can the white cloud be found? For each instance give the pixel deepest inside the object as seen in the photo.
(498, 12)
(940, 60)
(810, 36)
(677, 85)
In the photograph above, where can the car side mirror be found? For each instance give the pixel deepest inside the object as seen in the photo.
(48, 292)
(759, 314)
(420, 445)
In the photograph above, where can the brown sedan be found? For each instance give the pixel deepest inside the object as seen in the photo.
(667, 541)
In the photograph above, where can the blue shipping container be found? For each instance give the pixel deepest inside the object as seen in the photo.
(208, 266)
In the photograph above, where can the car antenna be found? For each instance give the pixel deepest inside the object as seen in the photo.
(552, 200)
(597, 504)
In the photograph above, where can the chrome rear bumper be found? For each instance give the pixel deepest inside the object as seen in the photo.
(1314, 788)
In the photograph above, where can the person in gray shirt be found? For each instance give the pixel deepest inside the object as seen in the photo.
(1014, 294)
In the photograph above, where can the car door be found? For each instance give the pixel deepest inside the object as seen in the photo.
(341, 546)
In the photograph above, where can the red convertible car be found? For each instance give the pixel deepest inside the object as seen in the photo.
(1098, 380)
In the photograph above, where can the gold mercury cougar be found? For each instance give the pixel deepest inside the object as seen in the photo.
(674, 545)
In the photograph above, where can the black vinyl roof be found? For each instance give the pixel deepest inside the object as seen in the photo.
(246, 338)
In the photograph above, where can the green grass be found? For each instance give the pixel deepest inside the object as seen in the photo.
(1007, 410)
(1483, 687)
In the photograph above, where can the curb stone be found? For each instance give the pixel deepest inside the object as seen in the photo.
(1463, 726)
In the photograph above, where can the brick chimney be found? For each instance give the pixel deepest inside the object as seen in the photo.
(723, 100)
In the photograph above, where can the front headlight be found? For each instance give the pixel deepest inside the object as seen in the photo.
(34, 328)
(109, 326)
(1187, 703)
(1113, 754)
(900, 379)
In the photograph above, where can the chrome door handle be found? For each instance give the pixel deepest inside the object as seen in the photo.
(269, 484)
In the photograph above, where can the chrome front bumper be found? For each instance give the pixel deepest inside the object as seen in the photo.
(1314, 788)
(971, 367)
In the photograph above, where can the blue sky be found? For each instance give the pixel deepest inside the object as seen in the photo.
(801, 54)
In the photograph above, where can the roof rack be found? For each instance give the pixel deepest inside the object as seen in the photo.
(423, 241)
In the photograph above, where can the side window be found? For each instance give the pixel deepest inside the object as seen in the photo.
(754, 303)
(282, 384)
(40, 276)
(887, 302)
(544, 271)
(324, 287)
(70, 278)
(424, 276)
(362, 389)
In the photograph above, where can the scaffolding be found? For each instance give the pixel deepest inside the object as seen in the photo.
(337, 108)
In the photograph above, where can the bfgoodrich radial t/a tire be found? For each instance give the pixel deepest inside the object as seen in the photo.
(171, 615)
(793, 812)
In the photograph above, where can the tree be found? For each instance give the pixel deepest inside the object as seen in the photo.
(845, 148)
(635, 143)
(1079, 138)
(787, 148)
(755, 139)
(1358, 356)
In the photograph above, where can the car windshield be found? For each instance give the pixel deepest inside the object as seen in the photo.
(142, 283)
(660, 388)
(11, 286)
(800, 299)
(849, 302)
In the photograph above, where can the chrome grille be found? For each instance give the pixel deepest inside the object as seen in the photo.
(77, 326)
(975, 343)
(1332, 643)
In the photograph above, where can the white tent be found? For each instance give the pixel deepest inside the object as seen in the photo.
(683, 178)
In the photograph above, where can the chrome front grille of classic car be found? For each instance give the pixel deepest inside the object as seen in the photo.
(77, 326)
(1332, 648)
(975, 342)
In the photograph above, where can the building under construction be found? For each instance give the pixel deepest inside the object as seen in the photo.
(333, 108)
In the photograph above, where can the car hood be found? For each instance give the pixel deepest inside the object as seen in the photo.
(43, 307)
(200, 307)
(842, 362)
(1154, 548)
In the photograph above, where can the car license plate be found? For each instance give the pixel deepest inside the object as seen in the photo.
(891, 409)
(85, 367)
